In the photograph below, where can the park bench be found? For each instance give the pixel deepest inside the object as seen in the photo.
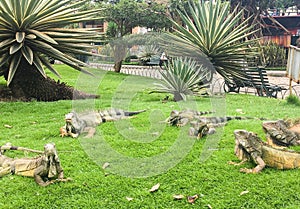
(257, 79)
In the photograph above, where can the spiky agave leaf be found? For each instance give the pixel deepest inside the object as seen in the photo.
(182, 77)
(214, 36)
(35, 29)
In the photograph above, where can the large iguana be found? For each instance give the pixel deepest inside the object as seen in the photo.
(87, 121)
(249, 147)
(182, 118)
(201, 125)
(283, 132)
(45, 169)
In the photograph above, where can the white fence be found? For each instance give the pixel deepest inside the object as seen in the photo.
(148, 71)
(293, 64)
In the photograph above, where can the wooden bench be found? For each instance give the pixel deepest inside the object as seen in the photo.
(257, 79)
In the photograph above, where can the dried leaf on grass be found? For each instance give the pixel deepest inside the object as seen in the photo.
(105, 165)
(129, 198)
(155, 188)
(7, 126)
(244, 192)
(239, 111)
(192, 199)
(178, 196)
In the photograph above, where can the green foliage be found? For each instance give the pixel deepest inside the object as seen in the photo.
(263, 5)
(33, 30)
(219, 184)
(270, 55)
(293, 99)
(127, 14)
(112, 30)
(147, 52)
(128, 58)
(182, 77)
(214, 36)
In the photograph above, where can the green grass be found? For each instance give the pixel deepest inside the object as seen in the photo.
(219, 184)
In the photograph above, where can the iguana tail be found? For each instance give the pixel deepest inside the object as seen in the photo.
(8, 146)
(130, 113)
(225, 119)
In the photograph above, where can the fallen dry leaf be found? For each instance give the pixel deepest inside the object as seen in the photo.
(155, 188)
(240, 111)
(178, 196)
(105, 165)
(129, 198)
(192, 199)
(244, 192)
(7, 126)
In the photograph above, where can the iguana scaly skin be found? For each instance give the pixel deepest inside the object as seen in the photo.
(181, 118)
(283, 132)
(42, 168)
(249, 147)
(87, 121)
(201, 129)
(201, 125)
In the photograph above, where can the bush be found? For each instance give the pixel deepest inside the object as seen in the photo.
(127, 59)
(293, 99)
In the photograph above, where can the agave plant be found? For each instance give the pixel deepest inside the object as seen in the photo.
(147, 52)
(212, 34)
(182, 77)
(32, 31)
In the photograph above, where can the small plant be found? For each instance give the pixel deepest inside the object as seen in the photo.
(270, 54)
(147, 52)
(182, 77)
(293, 99)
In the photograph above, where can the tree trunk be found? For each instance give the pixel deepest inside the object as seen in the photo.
(118, 66)
(177, 97)
(29, 84)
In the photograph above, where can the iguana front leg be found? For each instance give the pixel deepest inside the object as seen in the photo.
(239, 163)
(42, 171)
(4, 171)
(260, 166)
(90, 132)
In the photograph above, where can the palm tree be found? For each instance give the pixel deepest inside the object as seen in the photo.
(212, 35)
(31, 32)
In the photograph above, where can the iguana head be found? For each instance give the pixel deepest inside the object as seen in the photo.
(247, 145)
(72, 126)
(200, 129)
(52, 158)
(179, 118)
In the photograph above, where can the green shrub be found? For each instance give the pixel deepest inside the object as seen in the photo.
(181, 78)
(293, 99)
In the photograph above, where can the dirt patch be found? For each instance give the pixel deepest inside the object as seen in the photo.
(7, 96)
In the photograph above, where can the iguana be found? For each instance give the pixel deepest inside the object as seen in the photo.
(87, 121)
(201, 125)
(249, 147)
(181, 118)
(201, 128)
(42, 168)
(283, 132)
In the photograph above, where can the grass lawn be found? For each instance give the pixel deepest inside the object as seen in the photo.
(142, 152)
